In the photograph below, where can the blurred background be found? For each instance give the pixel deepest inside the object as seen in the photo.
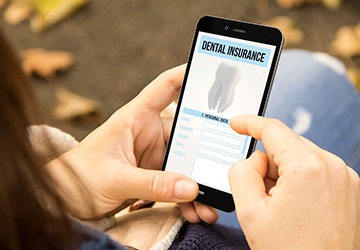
(118, 47)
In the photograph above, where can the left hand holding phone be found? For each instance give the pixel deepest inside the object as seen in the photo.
(122, 159)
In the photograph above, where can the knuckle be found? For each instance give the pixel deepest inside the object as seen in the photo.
(314, 166)
(275, 126)
(169, 77)
(337, 164)
(249, 214)
(328, 165)
(158, 189)
(354, 176)
(275, 123)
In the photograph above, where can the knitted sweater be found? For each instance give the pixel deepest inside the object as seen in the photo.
(191, 236)
(184, 236)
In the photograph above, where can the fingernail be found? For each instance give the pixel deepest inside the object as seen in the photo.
(185, 190)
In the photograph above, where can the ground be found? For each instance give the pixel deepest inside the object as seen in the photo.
(120, 46)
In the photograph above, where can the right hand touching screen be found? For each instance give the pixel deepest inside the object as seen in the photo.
(297, 195)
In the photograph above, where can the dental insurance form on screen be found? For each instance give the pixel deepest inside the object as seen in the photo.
(227, 78)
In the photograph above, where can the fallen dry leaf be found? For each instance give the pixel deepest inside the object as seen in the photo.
(287, 4)
(45, 63)
(3, 3)
(50, 12)
(70, 105)
(17, 12)
(354, 75)
(42, 13)
(332, 4)
(293, 34)
(347, 41)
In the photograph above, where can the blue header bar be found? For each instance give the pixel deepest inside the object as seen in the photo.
(234, 51)
(206, 116)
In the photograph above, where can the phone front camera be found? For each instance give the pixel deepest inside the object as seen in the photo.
(226, 27)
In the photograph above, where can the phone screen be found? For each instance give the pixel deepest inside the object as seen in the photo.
(226, 77)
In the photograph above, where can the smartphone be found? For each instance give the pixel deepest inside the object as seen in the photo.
(230, 71)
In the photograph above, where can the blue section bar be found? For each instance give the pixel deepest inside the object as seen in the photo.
(206, 116)
(234, 51)
(192, 112)
(245, 144)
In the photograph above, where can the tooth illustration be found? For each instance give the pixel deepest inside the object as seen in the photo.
(222, 91)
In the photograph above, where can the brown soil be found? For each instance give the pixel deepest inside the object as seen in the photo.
(120, 46)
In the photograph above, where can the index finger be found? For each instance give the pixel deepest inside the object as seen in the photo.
(162, 90)
(281, 143)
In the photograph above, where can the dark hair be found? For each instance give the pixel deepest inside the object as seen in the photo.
(26, 221)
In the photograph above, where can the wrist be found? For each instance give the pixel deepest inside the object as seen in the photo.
(69, 188)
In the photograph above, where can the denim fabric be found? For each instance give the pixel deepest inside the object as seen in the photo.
(312, 95)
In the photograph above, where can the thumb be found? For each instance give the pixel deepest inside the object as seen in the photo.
(159, 186)
(247, 179)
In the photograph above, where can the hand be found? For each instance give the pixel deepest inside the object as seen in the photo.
(297, 196)
(114, 163)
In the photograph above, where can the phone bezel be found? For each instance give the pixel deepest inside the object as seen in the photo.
(241, 30)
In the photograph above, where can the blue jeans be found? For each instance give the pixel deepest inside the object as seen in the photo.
(313, 96)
